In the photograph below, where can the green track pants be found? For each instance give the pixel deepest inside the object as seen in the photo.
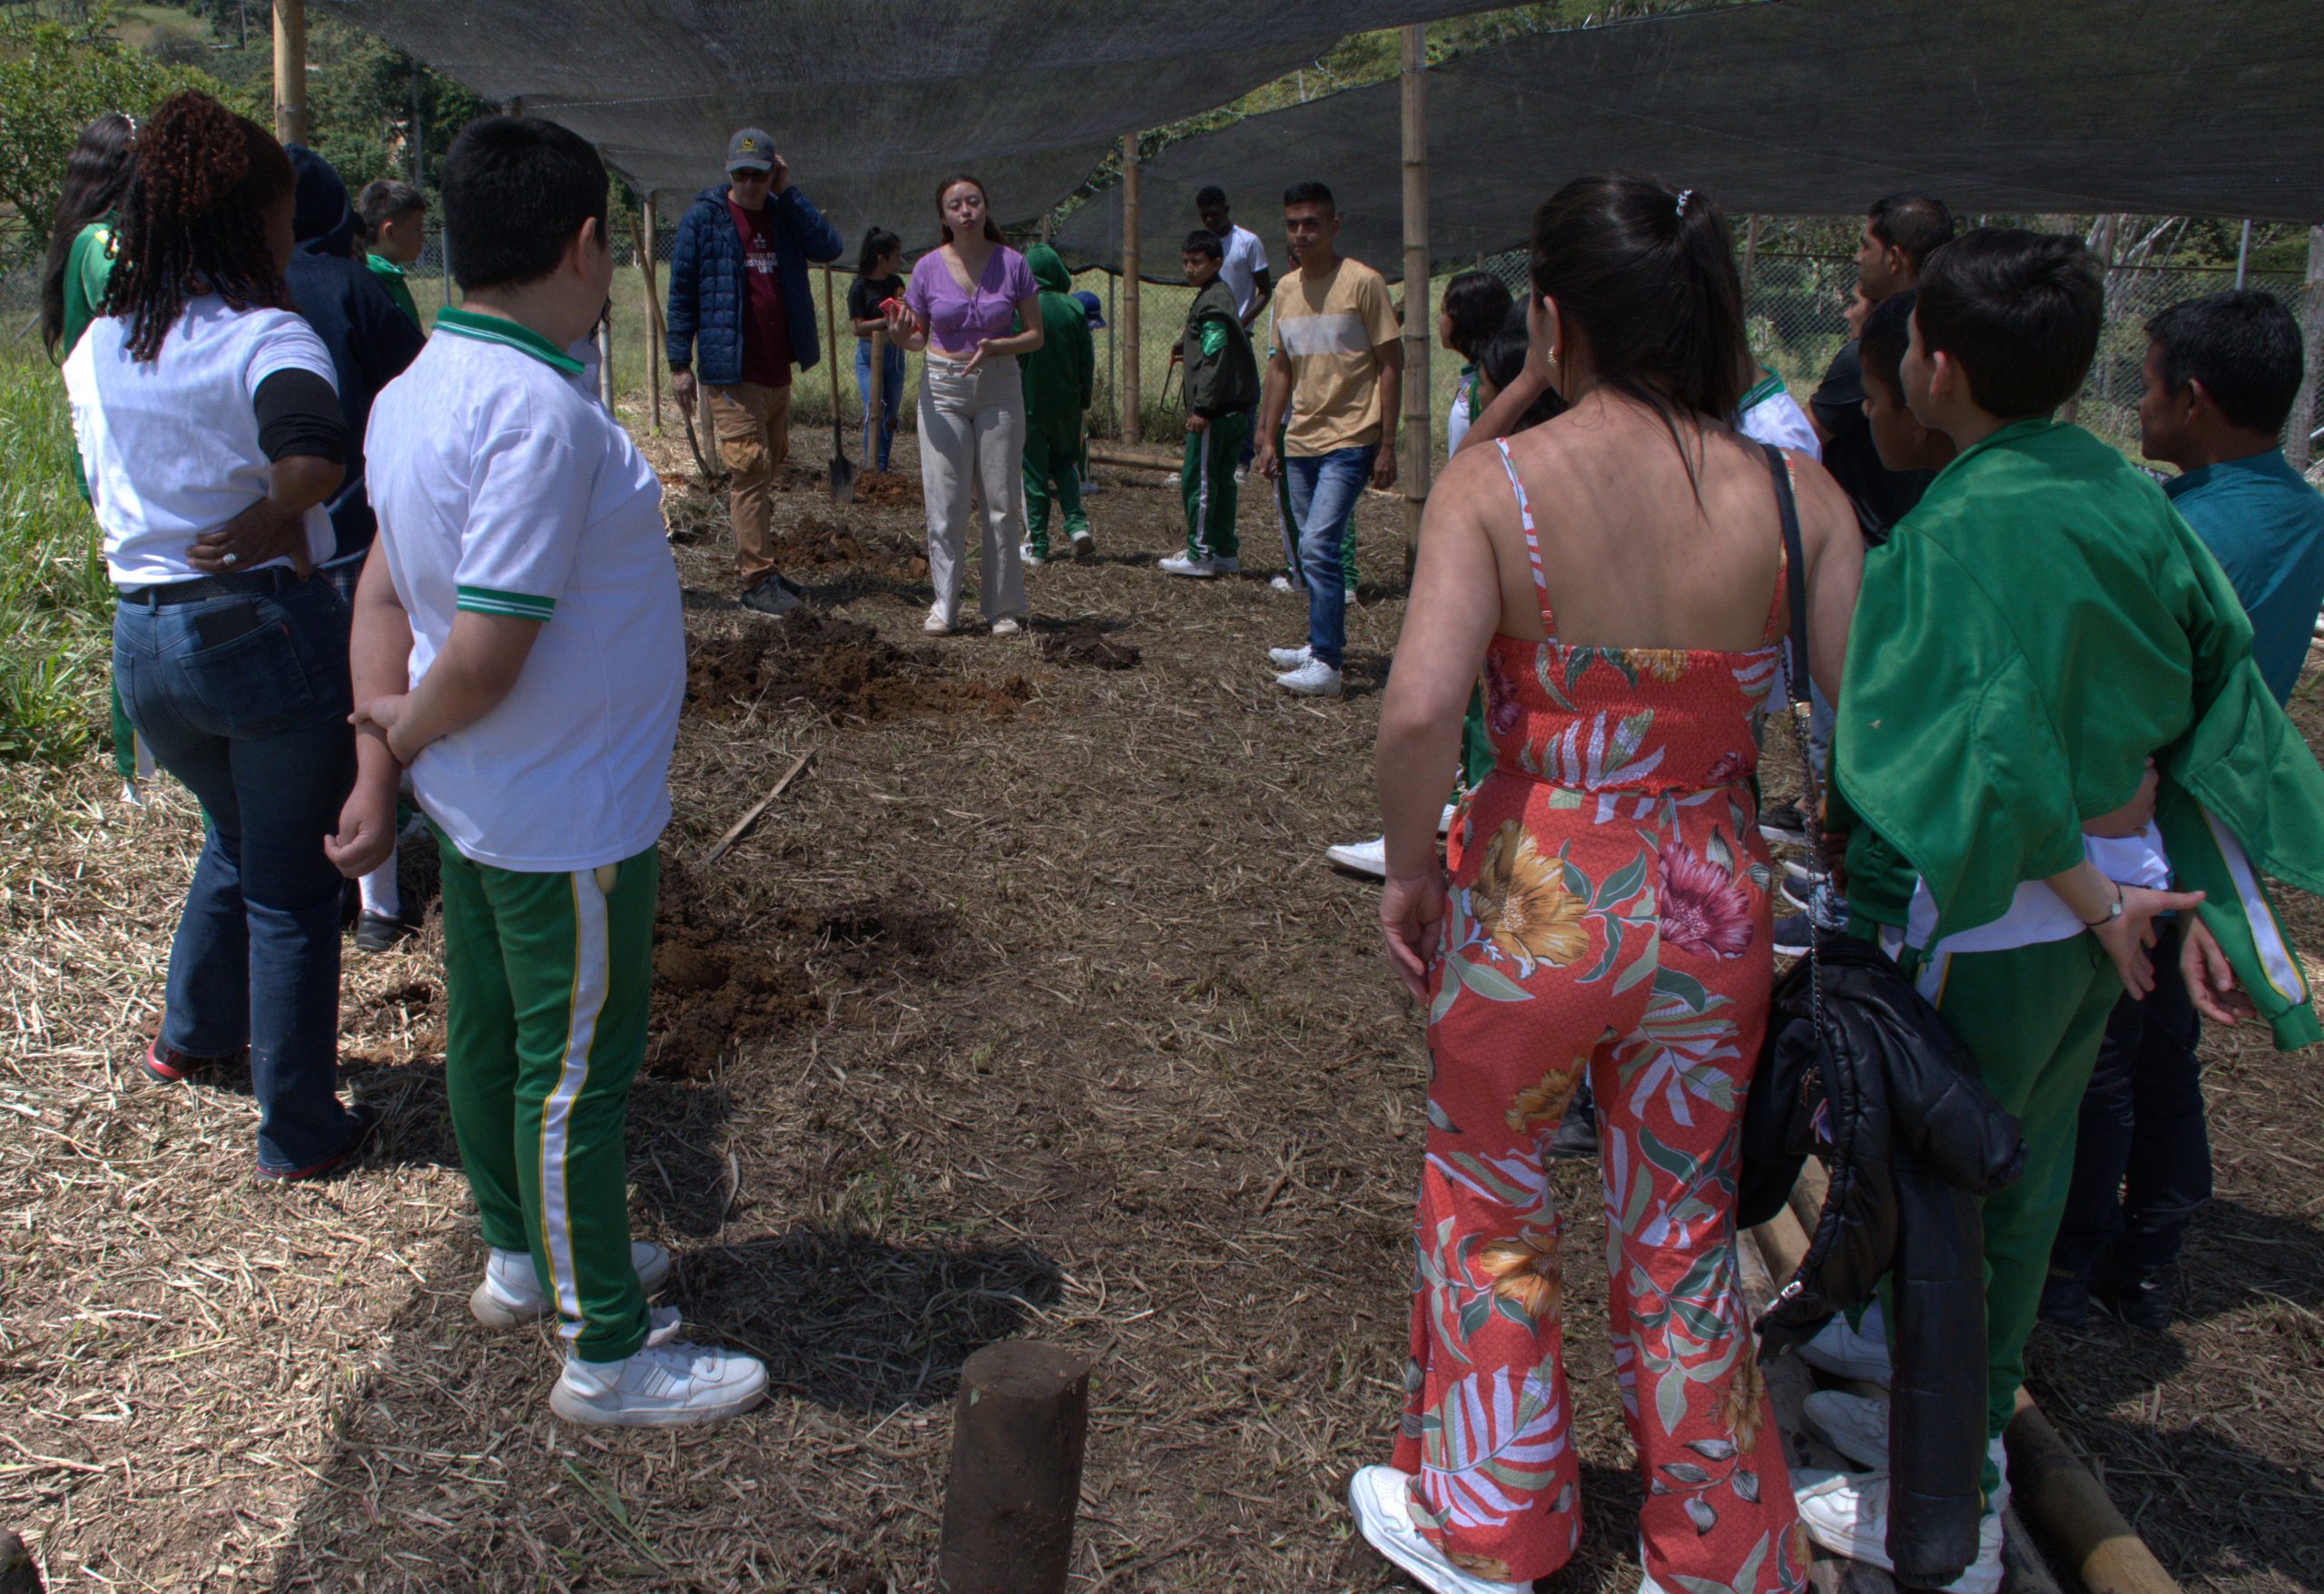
(1052, 453)
(1207, 483)
(546, 978)
(2033, 1016)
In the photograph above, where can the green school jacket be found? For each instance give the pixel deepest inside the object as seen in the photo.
(2038, 625)
(1060, 377)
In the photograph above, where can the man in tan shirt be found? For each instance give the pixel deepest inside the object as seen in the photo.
(1335, 364)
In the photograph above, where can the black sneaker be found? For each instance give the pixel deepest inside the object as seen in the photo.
(1576, 1134)
(2140, 1296)
(1784, 824)
(379, 932)
(772, 598)
(173, 1066)
(366, 1120)
(2065, 1300)
(1793, 931)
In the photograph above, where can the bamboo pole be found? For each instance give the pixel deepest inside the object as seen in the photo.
(2300, 445)
(1129, 378)
(1750, 251)
(645, 236)
(1419, 325)
(605, 389)
(290, 71)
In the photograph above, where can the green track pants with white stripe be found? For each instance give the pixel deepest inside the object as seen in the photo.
(1207, 483)
(546, 978)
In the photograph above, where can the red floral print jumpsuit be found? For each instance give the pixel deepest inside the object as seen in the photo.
(1609, 913)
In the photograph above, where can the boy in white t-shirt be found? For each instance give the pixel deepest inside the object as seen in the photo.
(522, 581)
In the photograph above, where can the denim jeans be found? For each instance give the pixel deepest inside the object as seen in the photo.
(892, 394)
(1324, 489)
(2142, 1155)
(245, 698)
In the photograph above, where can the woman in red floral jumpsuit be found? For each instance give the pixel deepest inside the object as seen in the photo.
(1606, 911)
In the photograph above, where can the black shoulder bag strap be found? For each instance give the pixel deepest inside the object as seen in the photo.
(1795, 687)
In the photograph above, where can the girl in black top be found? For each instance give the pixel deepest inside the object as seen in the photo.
(878, 278)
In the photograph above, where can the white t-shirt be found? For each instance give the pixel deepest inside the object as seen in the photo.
(1246, 257)
(1770, 415)
(1457, 420)
(502, 490)
(2037, 914)
(170, 445)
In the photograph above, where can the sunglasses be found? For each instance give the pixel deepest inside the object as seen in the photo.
(741, 176)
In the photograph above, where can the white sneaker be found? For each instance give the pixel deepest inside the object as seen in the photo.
(1363, 856)
(131, 796)
(1383, 1506)
(1854, 1425)
(1313, 679)
(1084, 543)
(1851, 1353)
(1290, 658)
(1033, 561)
(1241, 474)
(510, 1295)
(1187, 565)
(669, 1384)
(937, 624)
(1848, 1514)
(1281, 583)
(1444, 819)
(1006, 627)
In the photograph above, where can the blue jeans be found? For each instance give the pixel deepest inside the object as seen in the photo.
(244, 697)
(892, 394)
(1324, 489)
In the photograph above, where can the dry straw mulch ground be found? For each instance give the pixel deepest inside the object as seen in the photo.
(1031, 1009)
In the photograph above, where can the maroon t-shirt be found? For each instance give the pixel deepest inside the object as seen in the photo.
(766, 339)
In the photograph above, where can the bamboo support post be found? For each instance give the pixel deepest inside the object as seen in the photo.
(875, 413)
(290, 71)
(1136, 458)
(653, 310)
(1750, 252)
(1419, 325)
(1020, 1427)
(2300, 444)
(1131, 420)
(2069, 1509)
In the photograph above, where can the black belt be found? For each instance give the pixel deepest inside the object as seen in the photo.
(236, 584)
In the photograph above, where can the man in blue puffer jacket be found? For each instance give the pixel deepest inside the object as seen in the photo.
(739, 294)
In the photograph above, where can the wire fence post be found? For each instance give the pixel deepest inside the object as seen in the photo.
(1132, 421)
(1419, 324)
(645, 236)
(2299, 447)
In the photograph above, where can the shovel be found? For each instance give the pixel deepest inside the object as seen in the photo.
(842, 473)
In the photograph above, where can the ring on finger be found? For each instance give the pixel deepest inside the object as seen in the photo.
(230, 558)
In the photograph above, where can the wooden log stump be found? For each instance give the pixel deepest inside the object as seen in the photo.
(1019, 1426)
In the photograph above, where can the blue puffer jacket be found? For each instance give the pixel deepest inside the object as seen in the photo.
(707, 294)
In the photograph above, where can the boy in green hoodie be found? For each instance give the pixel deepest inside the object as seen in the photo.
(1222, 385)
(1060, 377)
(2038, 629)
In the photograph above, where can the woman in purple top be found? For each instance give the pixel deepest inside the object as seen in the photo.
(961, 305)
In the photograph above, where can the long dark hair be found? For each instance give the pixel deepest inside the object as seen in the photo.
(1500, 360)
(195, 219)
(95, 178)
(1646, 274)
(878, 243)
(1476, 303)
(992, 228)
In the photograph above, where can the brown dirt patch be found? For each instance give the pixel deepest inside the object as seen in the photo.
(887, 489)
(845, 669)
(1088, 646)
(818, 543)
(719, 980)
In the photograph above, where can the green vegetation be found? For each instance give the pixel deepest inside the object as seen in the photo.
(55, 603)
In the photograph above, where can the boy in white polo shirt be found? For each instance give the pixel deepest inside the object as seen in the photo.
(522, 584)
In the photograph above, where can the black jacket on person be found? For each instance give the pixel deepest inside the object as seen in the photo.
(1227, 382)
(1912, 1138)
(369, 338)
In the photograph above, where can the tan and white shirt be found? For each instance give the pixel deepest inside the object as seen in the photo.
(1327, 327)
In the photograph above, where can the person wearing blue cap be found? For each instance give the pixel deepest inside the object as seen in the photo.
(740, 303)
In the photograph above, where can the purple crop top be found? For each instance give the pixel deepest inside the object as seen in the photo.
(957, 321)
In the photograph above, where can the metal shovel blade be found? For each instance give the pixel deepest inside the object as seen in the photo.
(843, 470)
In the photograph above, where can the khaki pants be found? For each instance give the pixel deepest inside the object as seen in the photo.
(972, 439)
(752, 426)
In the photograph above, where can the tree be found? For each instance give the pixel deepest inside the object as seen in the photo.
(57, 77)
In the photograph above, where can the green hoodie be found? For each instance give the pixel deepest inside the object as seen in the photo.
(1061, 375)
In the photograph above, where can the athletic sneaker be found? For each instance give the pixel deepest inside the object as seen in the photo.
(1005, 626)
(669, 1384)
(1793, 932)
(1187, 565)
(1033, 561)
(173, 1066)
(379, 932)
(1281, 583)
(1290, 658)
(937, 624)
(1313, 679)
(1784, 824)
(1799, 868)
(1848, 1514)
(1853, 1425)
(1241, 474)
(772, 597)
(510, 1294)
(1851, 1353)
(1084, 545)
(1363, 856)
(1381, 1498)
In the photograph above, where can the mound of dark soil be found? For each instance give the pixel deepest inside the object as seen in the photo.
(1086, 645)
(845, 669)
(819, 543)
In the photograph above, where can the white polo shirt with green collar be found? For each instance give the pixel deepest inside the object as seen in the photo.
(500, 490)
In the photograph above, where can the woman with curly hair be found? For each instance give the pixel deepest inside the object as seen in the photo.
(1618, 573)
(211, 434)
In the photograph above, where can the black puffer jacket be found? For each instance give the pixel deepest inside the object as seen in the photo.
(1912, 1138)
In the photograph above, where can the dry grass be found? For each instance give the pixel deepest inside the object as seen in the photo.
(1049, 1022)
